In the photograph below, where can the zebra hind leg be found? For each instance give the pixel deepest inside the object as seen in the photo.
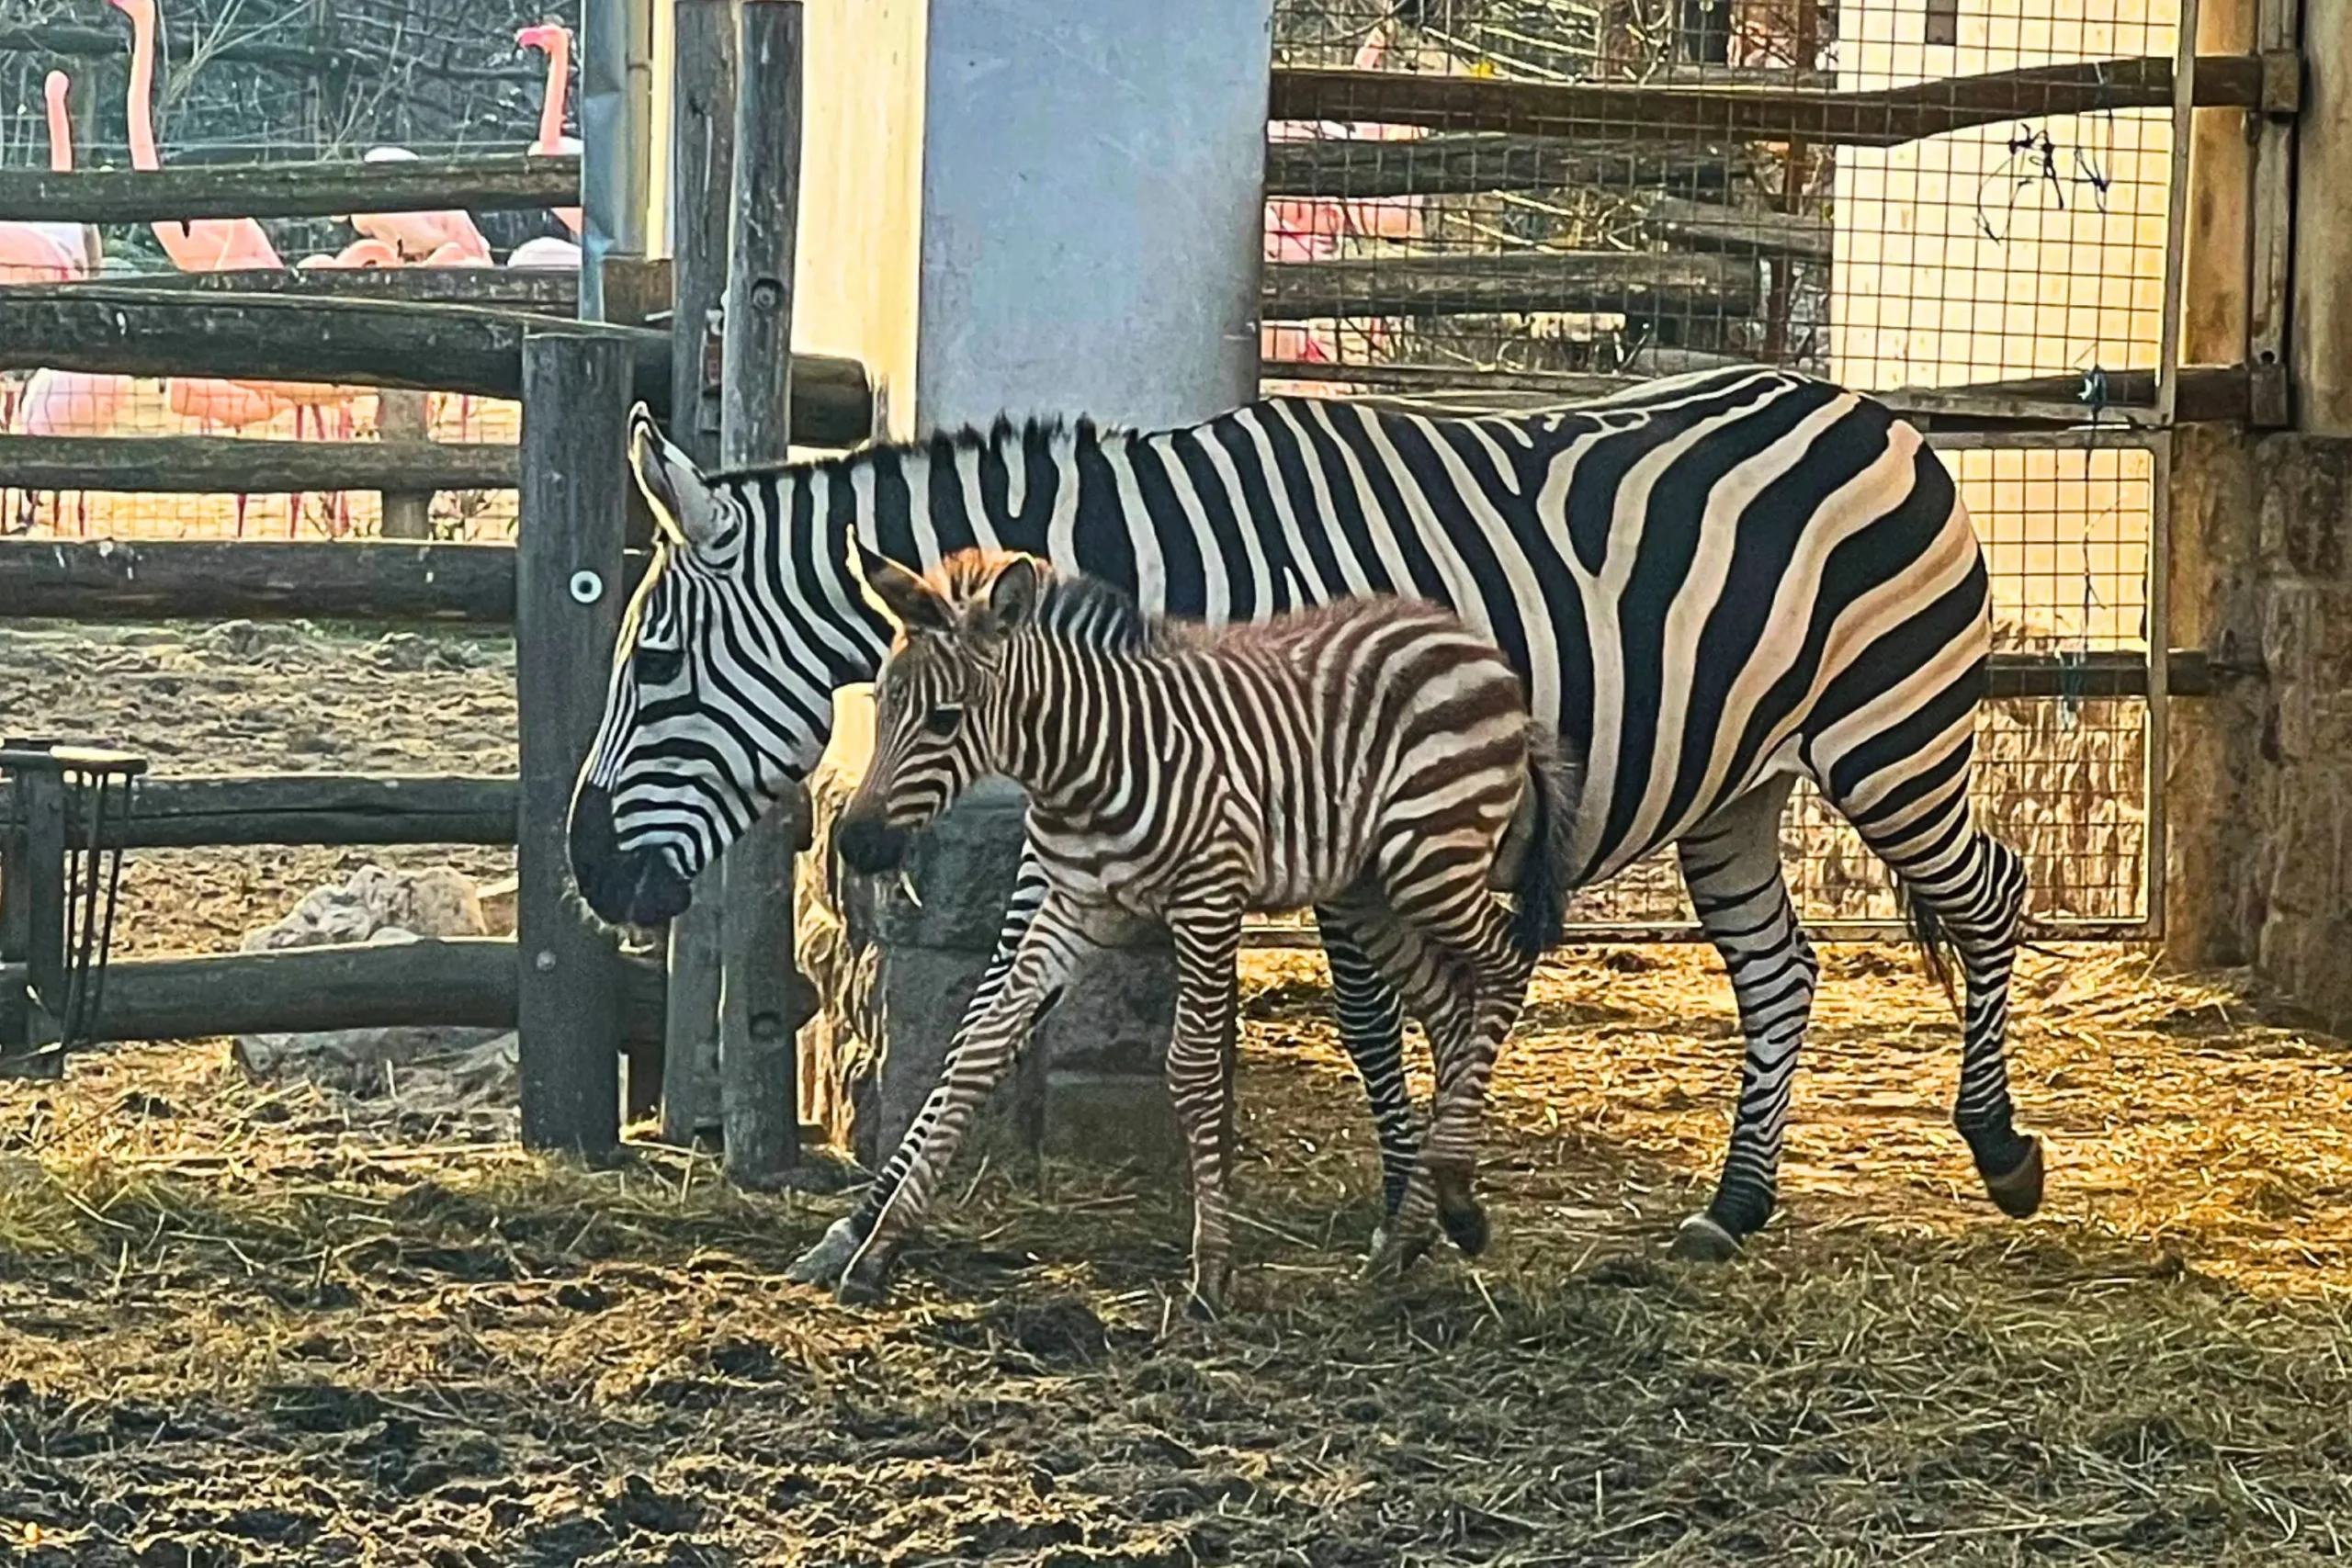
(1371, 1031)
(1732, 866)
(1964, 887)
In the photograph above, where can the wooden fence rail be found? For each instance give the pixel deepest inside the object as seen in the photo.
(484, 182)
(1884, 118)
(220, 465)
(453, 982)
(142, 331)
(331, 810)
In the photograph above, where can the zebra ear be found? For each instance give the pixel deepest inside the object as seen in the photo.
(673, 487)
(911, 602)
(1012, 595)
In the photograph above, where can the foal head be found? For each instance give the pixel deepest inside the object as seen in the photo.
(932, 702)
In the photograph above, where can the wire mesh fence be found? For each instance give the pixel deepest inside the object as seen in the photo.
(1886, 192)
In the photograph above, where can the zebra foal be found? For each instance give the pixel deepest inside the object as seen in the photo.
(1373, 754)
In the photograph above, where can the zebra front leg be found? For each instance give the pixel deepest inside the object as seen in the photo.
(1732, 865)
(823, 1263)
(1371, 1031)
(1207, 931)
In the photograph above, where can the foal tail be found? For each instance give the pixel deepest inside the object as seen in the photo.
(1546, 875)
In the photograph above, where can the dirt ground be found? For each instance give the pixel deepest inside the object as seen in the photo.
(247, 1324)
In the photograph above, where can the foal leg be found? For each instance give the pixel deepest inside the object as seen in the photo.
(1371, 1031)
(823, 1263)
(980, 1060)
(1207, 927)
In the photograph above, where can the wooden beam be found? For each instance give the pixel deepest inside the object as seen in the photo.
(541, 291)
(126, 579)
(1463, 163)
(569, 595)
(1644, 283)
(450, 982)
(221, 464)
(1885, 117)
(260, 46)
(1734, 231)
(490, 181)
(758, 1025)
(336, 810)
(143, 332)
(702, 104)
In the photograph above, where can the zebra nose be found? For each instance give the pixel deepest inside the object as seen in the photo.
(867, 843)
(626, 887)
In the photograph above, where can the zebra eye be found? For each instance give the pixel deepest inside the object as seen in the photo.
(940, 721)
(658, 666)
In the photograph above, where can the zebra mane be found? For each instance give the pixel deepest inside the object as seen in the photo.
(1097, 615)
(941, 445)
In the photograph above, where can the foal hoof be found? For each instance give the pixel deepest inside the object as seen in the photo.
(1467, 1229)
(1701, 1240)
(2019, 1193)
(823, 1264)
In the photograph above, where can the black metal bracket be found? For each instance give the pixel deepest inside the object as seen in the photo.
(61, 871)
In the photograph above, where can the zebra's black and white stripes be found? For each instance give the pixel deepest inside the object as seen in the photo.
(1710, 586)
(1372, 753)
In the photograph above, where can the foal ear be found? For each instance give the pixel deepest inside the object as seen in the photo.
(1012, 599)
(911, 602)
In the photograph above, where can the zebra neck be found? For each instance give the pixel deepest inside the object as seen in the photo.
(1067, 718)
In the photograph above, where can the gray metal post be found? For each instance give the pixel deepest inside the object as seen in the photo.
(761, 1008)
(616, 124)
(702, 159)
(568, 594)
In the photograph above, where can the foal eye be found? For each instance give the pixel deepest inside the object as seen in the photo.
(941, 720)
(658, 666)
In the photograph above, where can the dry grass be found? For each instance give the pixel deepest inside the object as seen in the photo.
(243, 1326)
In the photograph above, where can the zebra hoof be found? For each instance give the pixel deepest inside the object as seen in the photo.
(2019, 1193)
(1701, 1240)
(824, 1263)
(1467, 1228)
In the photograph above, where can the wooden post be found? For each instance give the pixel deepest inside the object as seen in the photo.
(405, 416)
(702, 148)
(760, 1006)
(569, 595)
(2320, 353)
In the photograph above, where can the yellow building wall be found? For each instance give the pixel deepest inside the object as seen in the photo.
(2025, 248)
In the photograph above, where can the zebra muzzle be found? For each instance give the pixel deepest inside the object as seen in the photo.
(869, 844)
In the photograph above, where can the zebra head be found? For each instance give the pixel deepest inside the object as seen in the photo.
(932, 734)
(722, 692)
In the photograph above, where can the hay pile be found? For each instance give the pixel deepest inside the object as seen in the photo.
(242, 1327)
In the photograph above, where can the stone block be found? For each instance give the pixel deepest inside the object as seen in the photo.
(894, 973)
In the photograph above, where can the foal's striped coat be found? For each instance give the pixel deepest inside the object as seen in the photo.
(1372, 754)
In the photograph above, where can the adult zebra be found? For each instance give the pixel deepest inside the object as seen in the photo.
(1710, 584)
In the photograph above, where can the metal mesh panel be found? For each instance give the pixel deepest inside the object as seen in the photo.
(1814, 186)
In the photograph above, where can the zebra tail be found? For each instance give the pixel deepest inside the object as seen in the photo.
(1929, 933)
(1546, 875)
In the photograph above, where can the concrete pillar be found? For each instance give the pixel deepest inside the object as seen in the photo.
(1038, 205)
(1025, 206)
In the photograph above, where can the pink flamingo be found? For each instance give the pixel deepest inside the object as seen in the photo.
(209, 245)
(447, 238)
(556, 39)
(56, 88)
(197, 244)
(1313, 228)
(47, 252)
